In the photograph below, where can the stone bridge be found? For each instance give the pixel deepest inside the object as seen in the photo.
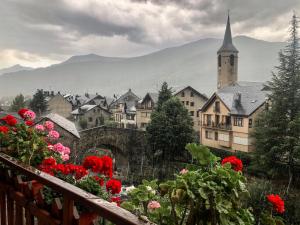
(128, 146)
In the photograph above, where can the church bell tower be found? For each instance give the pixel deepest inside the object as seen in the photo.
(227, 60)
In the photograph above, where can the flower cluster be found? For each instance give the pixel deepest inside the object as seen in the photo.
(153, 205)
(49, 125)
(62, 150)
(10, 120)
(277, 203)
(236, 163)
(113, 186)
(50, 166)
(4, 129)
(53, 135)
(103, 165)
(28, 116)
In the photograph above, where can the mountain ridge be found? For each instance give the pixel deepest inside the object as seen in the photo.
(193, 63)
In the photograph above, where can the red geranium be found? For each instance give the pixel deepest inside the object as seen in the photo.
(277, 202)
(21, 112)
(10, 120)
(4, 129)
(99, 180)
(107, 166)
(236, 163)
(114, 186)
(29, 122)
(116, 200)
(94, 163)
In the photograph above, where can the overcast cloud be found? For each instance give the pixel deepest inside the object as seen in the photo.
(41, 32)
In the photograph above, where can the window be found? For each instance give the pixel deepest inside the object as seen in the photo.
(238, 121)
(208, 134)
(90, 119)
(182, 94)
(192, 123)
(197, 113)
(219, 60)
(217, 107)
(182, 102)
(250, 123)
(187, 102)
(231, 60)
(208, 118)
(192, 103)
(216, 136)
(192, 94)
(192, 113)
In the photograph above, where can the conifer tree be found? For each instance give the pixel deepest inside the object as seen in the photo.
(18, 103)
(277, 132)
(38, 102)
(165, 94)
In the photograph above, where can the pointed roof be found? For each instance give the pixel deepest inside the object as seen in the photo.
(227, 45)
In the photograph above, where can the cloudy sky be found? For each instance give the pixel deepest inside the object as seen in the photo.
(42, 32)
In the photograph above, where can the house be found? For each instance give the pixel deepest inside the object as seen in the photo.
(144, 109)
(59, 104)
(227, 118)
(192, 101)
(88, 116)
(124, 110)
(87, 99)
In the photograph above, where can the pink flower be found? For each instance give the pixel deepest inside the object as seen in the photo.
(65, 157)
(50, 147)
(67, 150)
(49, 125)
(39, 127)
(29, 115)
(53, 134)
(59, 147)
(153, 205)
(184, 171)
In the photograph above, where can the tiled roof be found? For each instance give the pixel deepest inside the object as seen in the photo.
(241, 98)
(63, 123)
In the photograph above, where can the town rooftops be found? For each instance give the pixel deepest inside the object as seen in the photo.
(152, 96)
(85, 108)
(63, 123)
(241, 98)
(180, 89)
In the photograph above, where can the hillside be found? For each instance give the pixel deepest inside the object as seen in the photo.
(190, 64)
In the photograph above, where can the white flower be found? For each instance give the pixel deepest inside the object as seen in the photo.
(148, 188)
(129, 189)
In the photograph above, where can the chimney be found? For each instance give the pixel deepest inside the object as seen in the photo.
(87, 95)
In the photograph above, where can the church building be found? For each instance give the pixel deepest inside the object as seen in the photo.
(228, 117)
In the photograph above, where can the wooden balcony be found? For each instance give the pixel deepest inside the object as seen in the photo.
(22, 204)
(221, 126)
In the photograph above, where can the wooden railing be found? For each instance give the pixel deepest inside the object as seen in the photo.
(22, 201)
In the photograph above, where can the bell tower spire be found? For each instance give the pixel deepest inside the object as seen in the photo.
(227, 59)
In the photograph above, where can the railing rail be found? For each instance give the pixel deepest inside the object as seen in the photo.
(11, 197)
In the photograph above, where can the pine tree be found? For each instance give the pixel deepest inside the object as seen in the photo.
(277, 131)
(165, 94)
(168, 132)
(38, 102)
(18, 103)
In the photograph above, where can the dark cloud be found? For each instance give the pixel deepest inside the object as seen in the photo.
(57, 27)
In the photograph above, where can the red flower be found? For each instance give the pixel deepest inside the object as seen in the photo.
(94, 163)
(236, 163)
(114, 186)
(21, 112)
(10, 120)
(277, 202)
(4, 129)
(99, 180)
(116, 200)
(48, 165)
(29, 122)
(107, 168)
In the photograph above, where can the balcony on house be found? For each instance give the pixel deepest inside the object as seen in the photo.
(22, 201)
(222, 126)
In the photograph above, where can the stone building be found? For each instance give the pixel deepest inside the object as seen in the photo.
(124, 110)
(192, 101)
(144, 109)
(88, 116)
(229, 115)
(59, 104)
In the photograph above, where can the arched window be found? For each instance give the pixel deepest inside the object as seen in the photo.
(231, 60)
(219, 60)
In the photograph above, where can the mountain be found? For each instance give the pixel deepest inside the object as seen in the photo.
(15, 68)
(192, 64)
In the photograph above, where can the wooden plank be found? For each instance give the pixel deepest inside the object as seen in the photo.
(68, 209)
(10, 211)
(29, 218)
(3, 207)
